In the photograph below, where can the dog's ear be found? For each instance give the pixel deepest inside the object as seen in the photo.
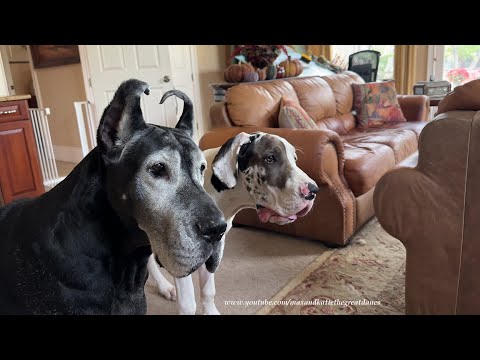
(224, 165)
(122, 117)
(186, 120)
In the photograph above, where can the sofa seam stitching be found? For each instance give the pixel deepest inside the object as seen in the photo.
(342, 197)
(463, 217)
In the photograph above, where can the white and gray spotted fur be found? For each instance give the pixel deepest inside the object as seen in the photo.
(230, 201)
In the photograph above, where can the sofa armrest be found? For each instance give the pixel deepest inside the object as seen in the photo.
(312, 156)
(424, 207)
(321, 155)
(414, 107)
(219, 115)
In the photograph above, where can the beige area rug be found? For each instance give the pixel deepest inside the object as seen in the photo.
(366, 278)
(256, 265)
(260, 267)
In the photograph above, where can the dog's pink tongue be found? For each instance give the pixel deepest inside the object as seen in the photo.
(266, 215)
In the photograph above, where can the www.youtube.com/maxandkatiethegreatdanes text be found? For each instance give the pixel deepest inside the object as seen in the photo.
(315, 302)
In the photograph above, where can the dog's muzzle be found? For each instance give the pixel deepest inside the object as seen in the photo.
(212, 231)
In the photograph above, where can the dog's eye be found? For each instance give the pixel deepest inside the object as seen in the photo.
(158, 170)
(296, 158)
(202, 168)
(270, 159)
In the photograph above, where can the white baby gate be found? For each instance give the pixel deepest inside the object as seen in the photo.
(86, 130)
(45, 147)
(86, 126)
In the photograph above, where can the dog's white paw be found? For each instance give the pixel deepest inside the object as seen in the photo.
(210, 309)
(168, 291)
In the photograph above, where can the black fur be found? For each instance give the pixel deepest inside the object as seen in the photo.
(186, 119)
(218, 184)
(68, 252)
(77, 249)
(244, 155)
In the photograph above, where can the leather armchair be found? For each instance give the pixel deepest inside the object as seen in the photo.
(434, 209)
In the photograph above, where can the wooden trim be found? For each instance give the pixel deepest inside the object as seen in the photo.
(36, 84)
(196, 90)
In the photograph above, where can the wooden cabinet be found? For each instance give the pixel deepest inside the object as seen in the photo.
(20, 174)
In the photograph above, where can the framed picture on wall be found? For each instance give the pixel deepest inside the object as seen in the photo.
(54, 55)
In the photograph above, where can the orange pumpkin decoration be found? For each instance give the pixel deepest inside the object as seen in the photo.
(247, 68)
(262, 74)
(292, 67)
(235, 73)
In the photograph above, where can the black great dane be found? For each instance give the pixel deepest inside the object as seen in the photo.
(83, 247)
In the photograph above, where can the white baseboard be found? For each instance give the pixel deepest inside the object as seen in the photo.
(68, 153)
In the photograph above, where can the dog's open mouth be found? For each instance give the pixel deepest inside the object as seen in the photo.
(269, 215)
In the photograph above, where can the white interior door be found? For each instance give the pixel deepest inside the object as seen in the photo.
(109, 65)
(181, 69)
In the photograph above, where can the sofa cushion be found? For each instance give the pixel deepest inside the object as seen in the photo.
(341, 124)
(341, 85)
(365, 164)
(315, 96)
(403, 142)
(415, 126)
(257, 104)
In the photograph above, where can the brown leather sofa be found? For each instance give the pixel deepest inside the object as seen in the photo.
(434, 209)
(345, 161)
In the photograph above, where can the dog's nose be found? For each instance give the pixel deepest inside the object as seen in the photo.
(309, 190)
(212, 231)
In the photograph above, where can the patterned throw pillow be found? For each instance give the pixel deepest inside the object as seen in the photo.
(376, 103)
(293, 116)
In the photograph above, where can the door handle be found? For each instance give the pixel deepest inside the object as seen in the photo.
(166, 78)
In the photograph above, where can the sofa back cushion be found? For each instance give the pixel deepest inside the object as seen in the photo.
(315, 96)
(257, 104)
(341, 85)
(327, 100)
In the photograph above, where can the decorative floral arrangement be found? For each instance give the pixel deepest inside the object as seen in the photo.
(458, 76)
(259, 55)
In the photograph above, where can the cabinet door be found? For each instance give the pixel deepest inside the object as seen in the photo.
(19, 169)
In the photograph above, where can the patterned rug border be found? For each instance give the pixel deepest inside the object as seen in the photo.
(297, 280)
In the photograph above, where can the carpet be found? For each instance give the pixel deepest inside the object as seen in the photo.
(256, 265)
(365, 278)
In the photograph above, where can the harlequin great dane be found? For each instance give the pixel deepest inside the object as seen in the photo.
(248, 171)
(82, 247)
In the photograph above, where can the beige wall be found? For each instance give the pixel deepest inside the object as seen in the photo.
(22, 78)
(211, 64)
(60, 86)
